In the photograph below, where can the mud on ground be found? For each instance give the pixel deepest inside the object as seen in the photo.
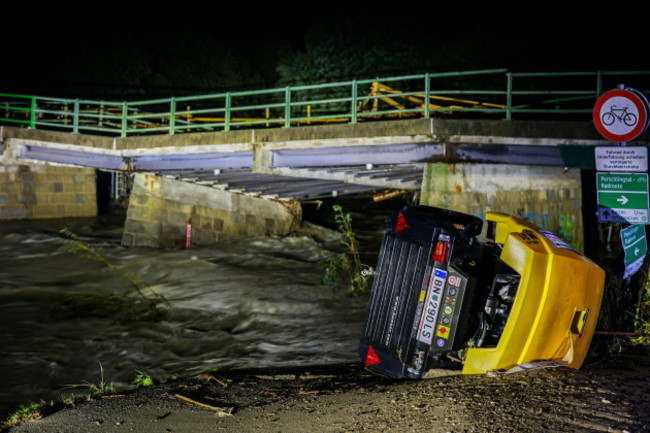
(346, 398)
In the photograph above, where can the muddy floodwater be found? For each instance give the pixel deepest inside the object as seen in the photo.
(254, 302)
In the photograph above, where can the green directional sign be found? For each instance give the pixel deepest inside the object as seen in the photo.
(635, 247)
(623, 198)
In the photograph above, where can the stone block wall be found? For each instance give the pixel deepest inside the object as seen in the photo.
(39, 191)
(160, 207)
(548, 197)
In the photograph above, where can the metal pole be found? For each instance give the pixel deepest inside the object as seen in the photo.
(353, 119)
(75, 117)
(226, 126)
(622, 86)
(114, 185)
(172, 116)
(287, 107)
(32, 115)
(509, 97)
(125, 109)
(427, 96)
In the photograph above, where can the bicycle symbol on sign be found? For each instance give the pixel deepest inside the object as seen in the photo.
(619, 113)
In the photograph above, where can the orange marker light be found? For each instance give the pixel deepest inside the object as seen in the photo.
(441, 252)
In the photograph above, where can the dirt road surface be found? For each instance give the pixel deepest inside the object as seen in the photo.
(346, 398)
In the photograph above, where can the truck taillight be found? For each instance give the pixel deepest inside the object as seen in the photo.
(441, 253)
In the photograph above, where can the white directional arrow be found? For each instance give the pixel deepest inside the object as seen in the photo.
(622, 200)
(636, 251)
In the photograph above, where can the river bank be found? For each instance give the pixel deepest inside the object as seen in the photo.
(346, 398)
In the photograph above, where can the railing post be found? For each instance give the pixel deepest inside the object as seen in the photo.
(66, 110)
(75, 117)
(32, 115)
(509, 97)
(226, 126)
(599, 83)
(125, 111)
(427, 96)
(287, 107)
(353, 119)
(172, 116)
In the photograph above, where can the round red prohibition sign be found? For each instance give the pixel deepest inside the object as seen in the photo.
(621, 115)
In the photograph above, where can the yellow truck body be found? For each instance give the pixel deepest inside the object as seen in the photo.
(554, 315)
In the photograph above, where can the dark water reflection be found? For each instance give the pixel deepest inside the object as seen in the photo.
(251, 303)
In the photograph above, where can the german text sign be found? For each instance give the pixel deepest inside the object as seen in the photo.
(623, 198)
(612, 158)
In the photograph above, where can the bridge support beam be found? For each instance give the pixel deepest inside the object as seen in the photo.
(548, 197)
(160, 208)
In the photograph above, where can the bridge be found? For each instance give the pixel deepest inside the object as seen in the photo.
(505, 145)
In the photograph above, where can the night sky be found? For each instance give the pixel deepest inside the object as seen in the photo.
(39, 43)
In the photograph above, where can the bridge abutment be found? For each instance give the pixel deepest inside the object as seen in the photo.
(548, 197)
(39, 191)
(160, 208)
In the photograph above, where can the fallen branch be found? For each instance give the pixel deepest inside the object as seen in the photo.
(222, 411)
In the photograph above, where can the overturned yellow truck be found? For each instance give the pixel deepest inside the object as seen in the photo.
(442, 295)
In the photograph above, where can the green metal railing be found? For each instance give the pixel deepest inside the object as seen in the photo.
(484, 93)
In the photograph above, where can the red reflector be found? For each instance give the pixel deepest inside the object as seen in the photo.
(372, 357)
(401, 224)
(441, 251)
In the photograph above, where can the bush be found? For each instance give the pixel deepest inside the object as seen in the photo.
(345, 268)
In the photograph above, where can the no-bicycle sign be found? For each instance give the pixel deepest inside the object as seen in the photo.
(621, 114)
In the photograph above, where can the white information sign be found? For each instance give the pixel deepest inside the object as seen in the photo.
(613, 158)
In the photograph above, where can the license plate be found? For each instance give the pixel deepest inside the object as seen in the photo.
(433, 300)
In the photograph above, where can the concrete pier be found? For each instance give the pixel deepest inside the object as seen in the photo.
(160, 208)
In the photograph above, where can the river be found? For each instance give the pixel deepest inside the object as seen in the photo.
(254, 302)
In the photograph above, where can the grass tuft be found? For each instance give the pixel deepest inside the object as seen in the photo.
(142, 379)
(96, 389)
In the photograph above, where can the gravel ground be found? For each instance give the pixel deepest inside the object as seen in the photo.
(346, 398)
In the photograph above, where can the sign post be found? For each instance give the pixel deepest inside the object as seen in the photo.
(621, 115)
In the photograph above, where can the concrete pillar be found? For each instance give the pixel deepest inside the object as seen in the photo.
(545, 196)
(160, 207)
